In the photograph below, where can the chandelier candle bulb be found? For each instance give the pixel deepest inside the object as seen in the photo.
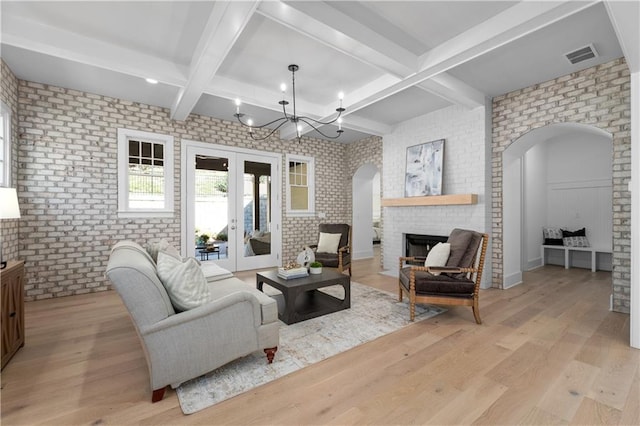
(238, 103)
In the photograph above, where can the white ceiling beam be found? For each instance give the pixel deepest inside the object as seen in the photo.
(450, 88)
(352, 98)
(511, 24)
(365, 125)
(224, 87)
(339, 31)
(508, 26)
(226, 22)
(30, 35)
(625, 17)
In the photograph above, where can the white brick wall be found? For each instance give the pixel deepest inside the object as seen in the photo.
(464, 171)
(598, 96)
(67, 183)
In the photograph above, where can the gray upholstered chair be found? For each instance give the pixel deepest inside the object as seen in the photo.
(180, 346)
(458, 283)
(341, 259)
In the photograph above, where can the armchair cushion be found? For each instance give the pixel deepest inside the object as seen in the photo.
(184, 281)
(331, 260)
(328, 243)
(459, 241)
(441, 285)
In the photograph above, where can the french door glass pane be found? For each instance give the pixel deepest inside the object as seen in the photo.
(257, 208)
(211, 205)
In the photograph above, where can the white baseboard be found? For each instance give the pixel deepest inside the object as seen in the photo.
(534, 264)
(512, 280)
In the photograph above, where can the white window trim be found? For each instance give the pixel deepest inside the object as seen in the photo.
(5, 173)
(124, 211)
(310, 161)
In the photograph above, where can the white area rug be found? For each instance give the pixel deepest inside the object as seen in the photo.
(373, 313)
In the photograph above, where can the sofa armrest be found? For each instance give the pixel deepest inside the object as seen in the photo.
(206, 310)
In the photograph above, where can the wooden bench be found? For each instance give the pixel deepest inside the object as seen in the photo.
(568, 250)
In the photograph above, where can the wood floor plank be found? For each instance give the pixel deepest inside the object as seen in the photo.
(564, 396)
(592, 412)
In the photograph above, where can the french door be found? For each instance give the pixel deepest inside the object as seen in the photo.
(231, 204)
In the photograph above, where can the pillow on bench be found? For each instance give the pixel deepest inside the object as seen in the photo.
(552, 236)
(576, 241)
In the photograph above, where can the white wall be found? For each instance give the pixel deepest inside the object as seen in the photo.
(362, 212)
(512, 220)
(376, 195)
(465, 170)
(535, 203)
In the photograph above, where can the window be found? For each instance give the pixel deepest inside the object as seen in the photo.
(300, 186)
(5, 145)
(145, 174)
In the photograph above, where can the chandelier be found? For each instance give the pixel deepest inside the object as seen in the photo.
(294, 118)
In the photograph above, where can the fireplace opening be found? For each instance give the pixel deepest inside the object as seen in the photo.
(419, 245)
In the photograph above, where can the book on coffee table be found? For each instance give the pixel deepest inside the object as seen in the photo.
(288, 274)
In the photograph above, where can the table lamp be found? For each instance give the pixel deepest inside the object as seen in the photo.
(9, 209)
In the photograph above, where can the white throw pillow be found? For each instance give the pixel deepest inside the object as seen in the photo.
(438, 256)
(328, 243)
(184, 281)
(162, 245)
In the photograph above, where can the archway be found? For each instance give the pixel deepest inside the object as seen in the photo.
(525, 161)
(362, 211)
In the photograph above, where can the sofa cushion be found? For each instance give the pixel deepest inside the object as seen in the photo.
(213, 272)
(184, 281)
(328, 243)
(268, 305)
(441, 285)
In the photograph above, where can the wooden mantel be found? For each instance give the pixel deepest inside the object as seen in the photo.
(431, 200)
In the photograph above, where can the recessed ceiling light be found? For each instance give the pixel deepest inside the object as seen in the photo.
(151, 80)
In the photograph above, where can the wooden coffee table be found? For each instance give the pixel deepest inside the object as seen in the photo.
(302, 300)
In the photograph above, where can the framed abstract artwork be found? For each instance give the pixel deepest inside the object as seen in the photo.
(424, 169)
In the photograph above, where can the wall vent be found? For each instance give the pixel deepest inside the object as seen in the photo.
(582, 54)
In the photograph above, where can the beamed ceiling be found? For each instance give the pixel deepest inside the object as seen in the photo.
(393, 60)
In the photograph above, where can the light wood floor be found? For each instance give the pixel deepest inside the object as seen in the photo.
(549, 352)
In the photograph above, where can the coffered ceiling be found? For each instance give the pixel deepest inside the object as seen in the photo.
(394, 60)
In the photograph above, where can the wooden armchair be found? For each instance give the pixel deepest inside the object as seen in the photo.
(341, 258)
(457, 283)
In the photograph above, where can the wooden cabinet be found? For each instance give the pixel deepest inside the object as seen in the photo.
(12, 315)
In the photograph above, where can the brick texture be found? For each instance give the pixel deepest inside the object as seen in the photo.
(599, 97)
(67, 181)
(9, 95)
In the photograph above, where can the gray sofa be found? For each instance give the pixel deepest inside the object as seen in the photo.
(180, 346)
